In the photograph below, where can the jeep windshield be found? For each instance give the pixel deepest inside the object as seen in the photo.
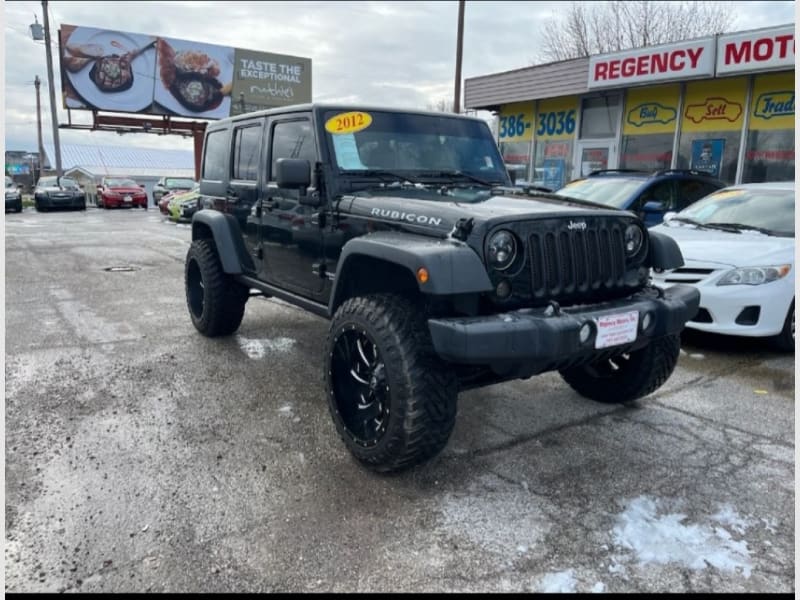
(387, 147)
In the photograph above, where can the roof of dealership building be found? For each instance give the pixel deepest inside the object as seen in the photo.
(130, 161)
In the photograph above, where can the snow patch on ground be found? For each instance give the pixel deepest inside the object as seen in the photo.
(256, 349)
(562, 582)
(668, 538)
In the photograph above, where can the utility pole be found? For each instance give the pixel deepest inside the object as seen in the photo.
(51, 85)
(459, 47)
(37, 82)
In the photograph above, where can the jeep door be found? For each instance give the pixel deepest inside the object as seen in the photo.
(244, 191)
(291, 238)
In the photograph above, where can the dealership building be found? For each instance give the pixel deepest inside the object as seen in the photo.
(723, 104)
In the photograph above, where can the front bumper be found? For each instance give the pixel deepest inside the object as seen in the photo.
(528, 341)
(61, 201)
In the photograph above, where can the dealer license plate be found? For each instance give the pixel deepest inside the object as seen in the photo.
(615, 330)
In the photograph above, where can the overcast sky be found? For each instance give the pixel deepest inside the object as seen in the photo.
(400, 54)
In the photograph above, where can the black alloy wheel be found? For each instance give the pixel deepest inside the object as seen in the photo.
(358, 372)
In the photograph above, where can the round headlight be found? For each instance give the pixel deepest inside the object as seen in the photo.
(634, 238)
(502, 250)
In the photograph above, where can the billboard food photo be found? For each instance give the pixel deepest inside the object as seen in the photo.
(129, 72)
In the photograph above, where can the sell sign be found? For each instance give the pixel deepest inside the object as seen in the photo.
(761, 50)
(683, 60)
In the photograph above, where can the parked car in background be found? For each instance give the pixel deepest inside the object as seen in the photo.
(168, 185)
(738, 248)
(117, 192)
(183, 205)
(649, 195)
(13, 196)
(58, 192)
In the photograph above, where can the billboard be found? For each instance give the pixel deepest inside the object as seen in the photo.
(118, 71)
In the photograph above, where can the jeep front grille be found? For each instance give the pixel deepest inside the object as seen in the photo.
(567, 264)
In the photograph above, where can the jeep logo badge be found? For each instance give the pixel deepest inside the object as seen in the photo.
(573, 225)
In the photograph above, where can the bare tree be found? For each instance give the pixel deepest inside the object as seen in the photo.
(586, 28)
(441, 105)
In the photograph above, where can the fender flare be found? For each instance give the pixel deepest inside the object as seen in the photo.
(227, 237)
(453, 267)
(664, 252)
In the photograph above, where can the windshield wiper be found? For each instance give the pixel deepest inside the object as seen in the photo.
(686, 220)
(741, 227)
(564, 198)
(469, 176)
(384, 175)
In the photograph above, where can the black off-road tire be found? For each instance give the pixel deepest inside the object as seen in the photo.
(638, 373)
(420, 392)
(215, 301)
(784, 341)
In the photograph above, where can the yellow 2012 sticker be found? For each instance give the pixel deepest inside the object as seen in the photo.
(348, 122)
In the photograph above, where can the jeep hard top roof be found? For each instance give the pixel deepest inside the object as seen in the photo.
(318, 107)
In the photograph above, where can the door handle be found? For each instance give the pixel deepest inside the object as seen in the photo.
(268, 204)
(232, 195)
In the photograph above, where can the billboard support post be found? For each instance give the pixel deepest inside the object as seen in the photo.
(52, 89)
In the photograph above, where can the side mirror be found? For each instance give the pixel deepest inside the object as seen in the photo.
(141, 185)
(293, 174)
(513, 176)
(653, 206)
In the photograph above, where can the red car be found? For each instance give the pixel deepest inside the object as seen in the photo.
(163, 204)
(117, 193)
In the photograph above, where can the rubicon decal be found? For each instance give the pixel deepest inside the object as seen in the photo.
(397, 215)
(714, 109)
(651, 112)
(774, 104)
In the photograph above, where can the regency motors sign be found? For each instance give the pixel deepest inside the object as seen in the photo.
(684, 60)
(118, 71)
(770, 49)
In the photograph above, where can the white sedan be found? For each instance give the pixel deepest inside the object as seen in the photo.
(738, 249)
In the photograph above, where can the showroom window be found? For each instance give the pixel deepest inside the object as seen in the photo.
(648, 127)
(769, 152)
(712, 121)
(600, 117)
(515, 135)
(555, 130)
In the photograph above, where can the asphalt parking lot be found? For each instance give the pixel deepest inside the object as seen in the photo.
(141, 456)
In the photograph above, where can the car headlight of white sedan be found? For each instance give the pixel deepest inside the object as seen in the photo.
(754, 275)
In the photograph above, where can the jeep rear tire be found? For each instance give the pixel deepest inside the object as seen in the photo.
(629, 376)
(215, 301)
(392, 400)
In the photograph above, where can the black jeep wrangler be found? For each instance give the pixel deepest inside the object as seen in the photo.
(437, 275)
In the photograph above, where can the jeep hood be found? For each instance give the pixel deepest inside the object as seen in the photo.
(441, 213)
